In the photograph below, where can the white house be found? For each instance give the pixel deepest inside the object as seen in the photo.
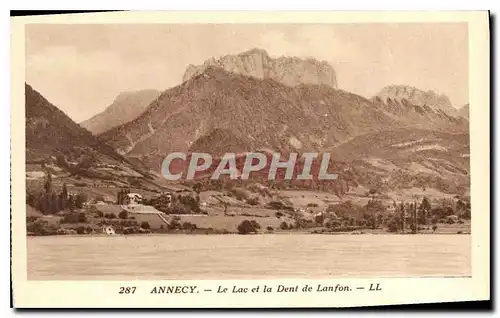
(109, 230)
(134, 198)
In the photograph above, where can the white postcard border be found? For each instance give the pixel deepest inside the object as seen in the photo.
(394, 290)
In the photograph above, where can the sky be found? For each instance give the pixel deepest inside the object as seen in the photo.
(81, 68)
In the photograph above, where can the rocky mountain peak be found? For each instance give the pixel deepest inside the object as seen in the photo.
(291, 71)
(417, 97)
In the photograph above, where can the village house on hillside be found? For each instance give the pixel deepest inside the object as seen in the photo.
(133, 198)
(391, 208)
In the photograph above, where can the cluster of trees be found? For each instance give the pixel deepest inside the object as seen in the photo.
(124, 215)
(50, 201)
(189, 226)
(446, 207)
(121, 196)
(41, 227)
(373, 213)
(74, 217)
(286, 226)
(247, 227)
(86, 161)
(349, 215)
(38, 226)
(407, 216)
(413, 215)
(175, 204)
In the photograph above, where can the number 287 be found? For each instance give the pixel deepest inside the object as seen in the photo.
(127, 290)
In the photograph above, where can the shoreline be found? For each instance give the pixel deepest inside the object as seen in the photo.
(252, 234)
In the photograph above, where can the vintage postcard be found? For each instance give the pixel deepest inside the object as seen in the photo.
(267, 159)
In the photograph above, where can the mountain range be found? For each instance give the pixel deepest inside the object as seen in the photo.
(262, 113)
(401, 137)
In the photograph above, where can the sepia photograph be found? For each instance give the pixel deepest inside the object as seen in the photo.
(247, 151)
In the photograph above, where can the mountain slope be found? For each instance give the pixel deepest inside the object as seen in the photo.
(406, 158)
(265, 113)
(464, 111)
(290, 71)
(218, 142)
(387, 161)
(126, 107)
(53, 139)
(49, 130)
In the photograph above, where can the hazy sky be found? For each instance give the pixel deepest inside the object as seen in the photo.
(81, 68)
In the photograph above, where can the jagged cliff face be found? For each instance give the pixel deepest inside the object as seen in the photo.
(417, 97)
(257, 63)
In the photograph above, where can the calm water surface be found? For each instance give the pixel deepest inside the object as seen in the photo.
(246, 256)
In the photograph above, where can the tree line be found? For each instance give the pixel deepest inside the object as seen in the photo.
(405, 216)
(51, 201)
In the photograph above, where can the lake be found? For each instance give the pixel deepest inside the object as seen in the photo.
(246, 256)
